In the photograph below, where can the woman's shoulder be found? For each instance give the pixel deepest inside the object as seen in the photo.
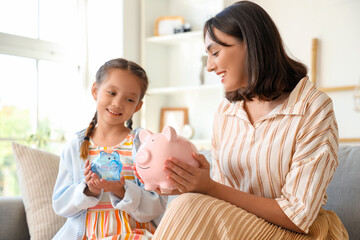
(227, 107)
(307, 95)
(315, 96)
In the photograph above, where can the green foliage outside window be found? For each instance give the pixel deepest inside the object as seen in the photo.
(15, 127)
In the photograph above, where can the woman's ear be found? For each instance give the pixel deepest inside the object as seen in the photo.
(138, 107)
(94, 91)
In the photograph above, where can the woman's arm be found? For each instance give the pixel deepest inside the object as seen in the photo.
(191, 179)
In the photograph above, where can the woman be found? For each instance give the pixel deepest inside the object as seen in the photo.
(274, 144)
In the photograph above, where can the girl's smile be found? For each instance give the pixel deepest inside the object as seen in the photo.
(113, 112)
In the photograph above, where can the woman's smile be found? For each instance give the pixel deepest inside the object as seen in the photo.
(222, 75)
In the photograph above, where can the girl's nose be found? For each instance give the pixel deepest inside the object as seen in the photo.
(117, 101)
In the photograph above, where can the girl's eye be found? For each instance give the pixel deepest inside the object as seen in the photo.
(111, 93)
(130, 100)
(215, 54)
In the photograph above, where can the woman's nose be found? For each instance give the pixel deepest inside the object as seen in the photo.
(209, 65)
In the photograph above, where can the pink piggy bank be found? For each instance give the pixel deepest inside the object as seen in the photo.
(154, 150)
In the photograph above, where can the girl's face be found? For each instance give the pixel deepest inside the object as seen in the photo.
(117, 97)
(227, 62)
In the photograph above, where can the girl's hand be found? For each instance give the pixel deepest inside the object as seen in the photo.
(187, 178)
(92, 179)
(116, 187)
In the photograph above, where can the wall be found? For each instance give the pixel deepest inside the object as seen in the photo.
(336, 23)
(114, 31)
(132, 40)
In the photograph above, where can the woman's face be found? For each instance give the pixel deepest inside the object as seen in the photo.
(227, 62)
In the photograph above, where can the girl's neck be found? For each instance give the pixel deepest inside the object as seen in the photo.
(109, 136)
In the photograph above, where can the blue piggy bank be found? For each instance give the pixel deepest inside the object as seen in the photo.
(107, 166)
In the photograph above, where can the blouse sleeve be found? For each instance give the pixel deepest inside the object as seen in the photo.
(216, 173)
(313, 164)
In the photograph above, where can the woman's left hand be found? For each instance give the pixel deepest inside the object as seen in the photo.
(187, 178)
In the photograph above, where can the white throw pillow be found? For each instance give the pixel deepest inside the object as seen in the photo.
(37, 171)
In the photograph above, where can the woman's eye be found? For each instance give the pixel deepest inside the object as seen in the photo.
(215, 54)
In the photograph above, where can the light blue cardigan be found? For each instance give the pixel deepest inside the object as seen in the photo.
(70, 202)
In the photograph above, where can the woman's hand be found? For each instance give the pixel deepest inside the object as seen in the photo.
(92, 189)
(187, 178)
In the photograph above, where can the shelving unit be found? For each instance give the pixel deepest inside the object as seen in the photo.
(174, 64)
(175, 39)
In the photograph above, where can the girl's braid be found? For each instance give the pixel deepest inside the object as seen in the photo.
(84, 149)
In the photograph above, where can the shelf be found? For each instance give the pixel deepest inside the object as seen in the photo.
(178, 38)
(184, 89)
(337, 89)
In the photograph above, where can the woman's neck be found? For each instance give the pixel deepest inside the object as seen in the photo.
(109, 136)
(257, 109)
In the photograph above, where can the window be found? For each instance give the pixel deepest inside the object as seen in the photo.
(41, 78)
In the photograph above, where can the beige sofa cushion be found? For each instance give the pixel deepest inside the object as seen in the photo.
(37, 171)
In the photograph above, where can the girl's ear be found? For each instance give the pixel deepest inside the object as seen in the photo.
(94, 91)
(138, 107)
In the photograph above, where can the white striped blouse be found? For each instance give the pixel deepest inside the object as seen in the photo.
(289, 155)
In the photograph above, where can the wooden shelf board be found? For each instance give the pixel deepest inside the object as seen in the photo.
(183, 89)
(176, 38)
(337, 89)
(347, 140)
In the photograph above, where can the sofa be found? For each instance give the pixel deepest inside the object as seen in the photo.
(17, 223)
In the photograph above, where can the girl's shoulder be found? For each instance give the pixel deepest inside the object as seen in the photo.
(75, 140)
(136, 140)
(80, 134)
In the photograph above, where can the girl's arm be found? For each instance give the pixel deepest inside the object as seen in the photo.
(142, 205)
(68, 198)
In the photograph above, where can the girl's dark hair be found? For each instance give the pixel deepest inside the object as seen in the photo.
(101, 75)
(270, 70)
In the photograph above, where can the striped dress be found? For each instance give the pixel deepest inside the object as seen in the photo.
(105, 222)
(289, 155)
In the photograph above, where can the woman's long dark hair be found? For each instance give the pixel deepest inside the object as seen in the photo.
(270, 70)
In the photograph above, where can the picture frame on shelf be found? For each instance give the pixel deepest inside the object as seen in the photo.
(174, 117)
(166, 25)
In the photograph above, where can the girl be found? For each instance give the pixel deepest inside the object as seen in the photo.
(274, 144)
(96, 208)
